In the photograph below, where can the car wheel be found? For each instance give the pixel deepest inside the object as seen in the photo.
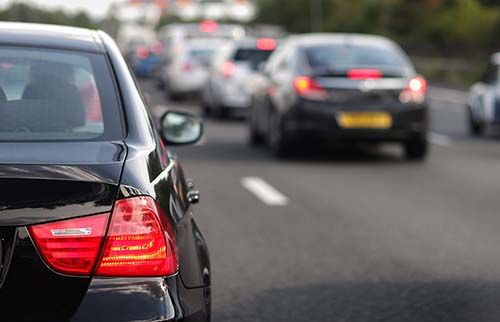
(255, 138)
(475, 128)
(277, 140)
(205, 109)
(218, 112)
(416, 149)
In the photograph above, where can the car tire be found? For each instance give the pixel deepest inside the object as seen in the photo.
(255, 138)
(475, 128)
(169, 95)
(205, 109)
(278, 142)
(416, 149)
(219, 113)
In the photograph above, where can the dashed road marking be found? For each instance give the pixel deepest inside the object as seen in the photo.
(264, 191)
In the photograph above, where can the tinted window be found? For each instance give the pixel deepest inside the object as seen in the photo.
(56, 95)
(252, 56)
(339, 56)
(202, 55)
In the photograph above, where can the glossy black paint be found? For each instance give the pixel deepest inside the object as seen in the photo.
(277, 107)
(42, 182)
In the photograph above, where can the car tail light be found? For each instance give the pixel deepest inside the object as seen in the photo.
(364, 74)
(308, 88)
(71, 246)
(140, 241)
(208, 26)
(415, 91)
(228, 69)
(142, 52)
(266, 44)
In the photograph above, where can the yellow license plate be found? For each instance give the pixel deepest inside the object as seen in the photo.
(365, 120)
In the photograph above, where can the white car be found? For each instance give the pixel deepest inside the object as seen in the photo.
(187, 71)
(227, 89)
(484, 99)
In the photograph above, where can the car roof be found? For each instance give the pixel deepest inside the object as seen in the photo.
(340, 38)
(51, 36)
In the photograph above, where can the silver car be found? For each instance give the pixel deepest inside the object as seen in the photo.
(484, 99)
(227, 87)
(187, 71)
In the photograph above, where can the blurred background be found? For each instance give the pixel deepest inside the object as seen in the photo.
(337, 233)
(448, 40)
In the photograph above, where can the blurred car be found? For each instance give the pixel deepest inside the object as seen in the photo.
(484, 99)
(96, 215)
(141, 48)
(146, 61)
(187, 71)
(176, 40)
(340, 88)
(227, 87)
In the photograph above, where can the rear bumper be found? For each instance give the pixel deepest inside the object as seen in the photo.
(140, 299)
(31, 291)
(231, 96)
(184, 82)
(320, 120)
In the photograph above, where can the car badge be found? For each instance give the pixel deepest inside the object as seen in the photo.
(367, 85)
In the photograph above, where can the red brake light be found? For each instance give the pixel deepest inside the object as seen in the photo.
(142, 52)
(266, 44)
(71, 246)
(308, 88)
(208, 26)
(364, 74)
(140, 241)
(228, 69)
(415, 91)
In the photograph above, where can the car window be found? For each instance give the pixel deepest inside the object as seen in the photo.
(202, 55)
(252, 56)
(56, 95)
(348, 56)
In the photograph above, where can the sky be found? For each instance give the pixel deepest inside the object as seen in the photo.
(96, 8)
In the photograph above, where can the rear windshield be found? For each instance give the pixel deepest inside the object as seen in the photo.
(353, 56)
(252, 56)
(50, 94)
(202, 55)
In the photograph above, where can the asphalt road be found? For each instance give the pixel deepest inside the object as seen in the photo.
(350, 235)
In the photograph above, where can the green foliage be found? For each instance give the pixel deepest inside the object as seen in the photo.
(440, 27)
(23, 12)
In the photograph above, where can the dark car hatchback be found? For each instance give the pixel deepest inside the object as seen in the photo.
(96, 221)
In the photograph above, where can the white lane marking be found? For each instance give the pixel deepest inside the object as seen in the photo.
(439, 139)
(264, 191)
(448, 95)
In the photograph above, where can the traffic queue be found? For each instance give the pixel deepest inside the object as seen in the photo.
(321, 88)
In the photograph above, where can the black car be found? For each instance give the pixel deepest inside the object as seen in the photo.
(96, 221)
(340, 87)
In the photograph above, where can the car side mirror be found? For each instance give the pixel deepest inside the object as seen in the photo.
(179, 128)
